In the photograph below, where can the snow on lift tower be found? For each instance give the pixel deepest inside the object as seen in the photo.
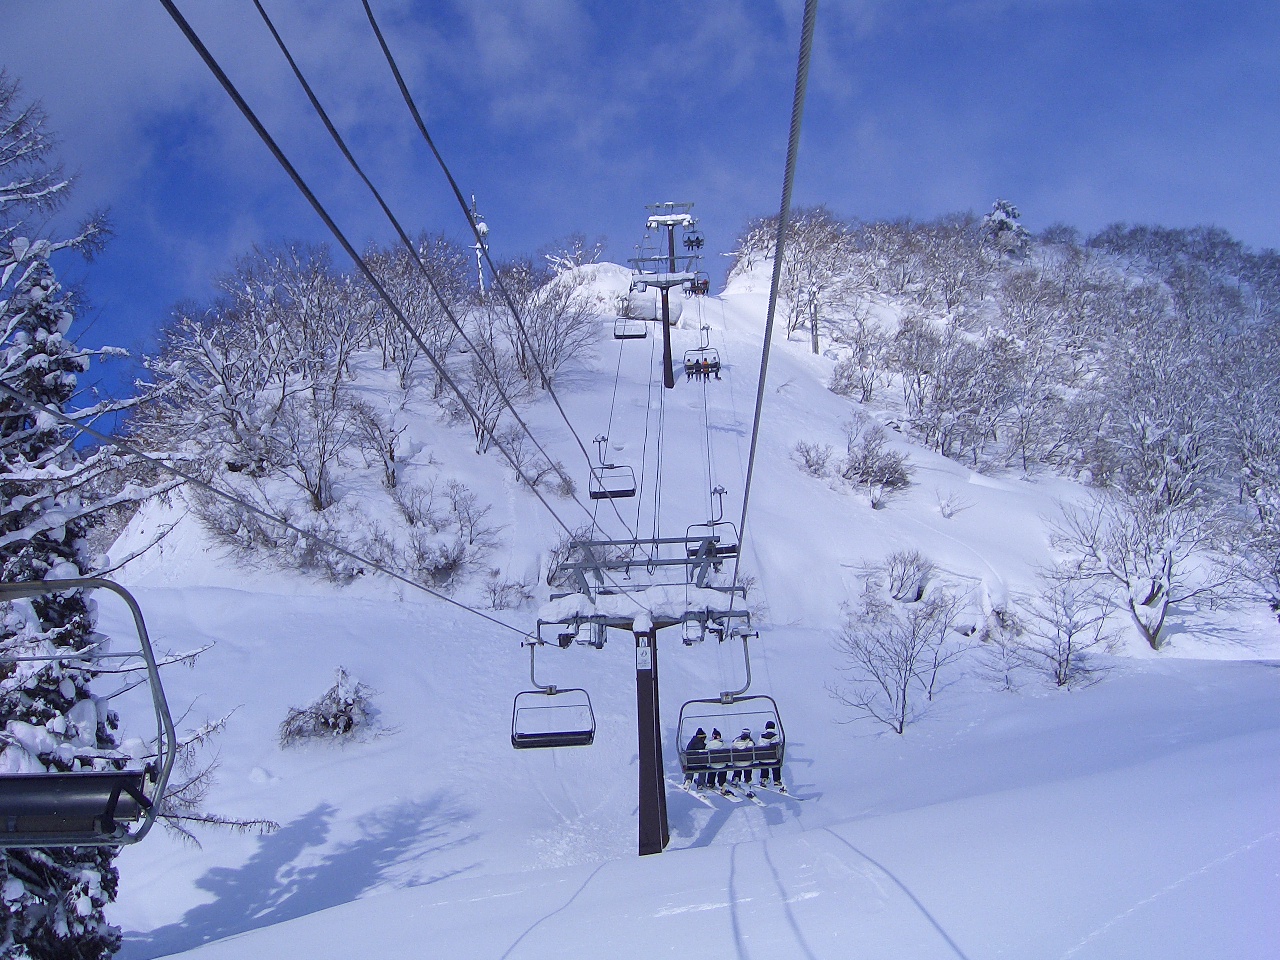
(665, 269)
(94, 805)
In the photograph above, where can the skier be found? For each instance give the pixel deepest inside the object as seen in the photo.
(716, 776)
(697, 742)
(768, 739)
(706, 369)
(742, 765)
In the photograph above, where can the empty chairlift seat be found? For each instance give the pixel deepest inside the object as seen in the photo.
(562, 718)
(612, 481)
(712, 541)
(626, 328)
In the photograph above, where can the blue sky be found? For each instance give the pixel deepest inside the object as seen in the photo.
(570, 115)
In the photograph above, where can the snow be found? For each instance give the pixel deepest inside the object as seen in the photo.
(1131, 818)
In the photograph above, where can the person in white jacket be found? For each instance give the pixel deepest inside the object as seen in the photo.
(742, 764)
(768, 739)
(716, 776)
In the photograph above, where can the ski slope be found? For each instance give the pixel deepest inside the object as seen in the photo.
(1133, 818)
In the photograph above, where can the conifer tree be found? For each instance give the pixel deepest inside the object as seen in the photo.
(51, 494)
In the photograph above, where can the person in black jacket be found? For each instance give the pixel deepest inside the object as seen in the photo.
(697, 742)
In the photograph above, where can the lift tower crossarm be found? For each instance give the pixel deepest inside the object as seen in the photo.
(671, 220)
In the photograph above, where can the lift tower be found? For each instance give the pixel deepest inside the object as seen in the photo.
(482, 243)
(661, 270)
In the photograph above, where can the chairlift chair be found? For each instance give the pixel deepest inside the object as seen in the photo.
(551, 716)
(612, 481)
(693, 360)
(559, 717)
(729, 714)
(713, 540)
(699, 286)
(111, 804)
(627, 328)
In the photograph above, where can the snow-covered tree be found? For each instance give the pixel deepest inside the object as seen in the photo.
(557, 320)
(1005, 231)
(51, 493)
(448, 270)
(571, 252)
(53, 898)
(1153, 555)
(1065, 626)
(896, 643)
(817, 276)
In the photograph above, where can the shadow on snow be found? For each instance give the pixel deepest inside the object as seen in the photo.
(270, 889)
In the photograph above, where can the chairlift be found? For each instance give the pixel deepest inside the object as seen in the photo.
(714, 540)
(699, 286)
(693, 241)
(702, 360)
(731, 713)
(610, 481)
(93, 806)
(708, 544)
(551, 716)
(628, 328)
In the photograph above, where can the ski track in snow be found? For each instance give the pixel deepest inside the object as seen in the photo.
(1169, 888)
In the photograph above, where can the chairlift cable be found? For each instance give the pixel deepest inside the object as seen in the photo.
(195, 481)
(784, 210)
(609, 428)
(231, 90)
(657, 477)
(644, 447)
(488, 367)
(400, 232)
(475, 230)
(707, 437)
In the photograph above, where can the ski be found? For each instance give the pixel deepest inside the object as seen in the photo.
(781, 793)
(692, 791)
(746, 793)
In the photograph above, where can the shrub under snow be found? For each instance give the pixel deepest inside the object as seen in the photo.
(344, 708)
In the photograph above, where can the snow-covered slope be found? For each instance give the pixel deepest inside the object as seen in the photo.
(1132, 818)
